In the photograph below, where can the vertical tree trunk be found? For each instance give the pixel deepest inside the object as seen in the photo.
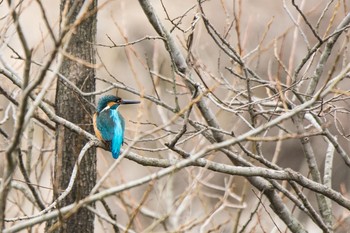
(76, 109)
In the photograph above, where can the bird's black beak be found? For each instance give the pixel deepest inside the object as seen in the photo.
(130, 102)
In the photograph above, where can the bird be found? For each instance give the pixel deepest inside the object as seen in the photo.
(109, 124)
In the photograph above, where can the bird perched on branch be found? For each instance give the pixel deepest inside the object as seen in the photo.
(109, 125)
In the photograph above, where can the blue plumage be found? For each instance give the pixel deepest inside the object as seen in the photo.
(109, 124)
(118, 136)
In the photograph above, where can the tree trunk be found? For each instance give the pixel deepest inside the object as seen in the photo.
(75, 108)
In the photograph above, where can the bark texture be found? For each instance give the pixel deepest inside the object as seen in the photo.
(76, 109)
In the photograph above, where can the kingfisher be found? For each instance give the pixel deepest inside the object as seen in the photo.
(109, 124)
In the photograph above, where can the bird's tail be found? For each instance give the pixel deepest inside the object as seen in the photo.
(116, 145)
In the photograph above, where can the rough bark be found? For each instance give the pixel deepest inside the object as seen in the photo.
(76, 109)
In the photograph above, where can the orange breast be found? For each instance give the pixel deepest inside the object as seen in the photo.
(97, 132)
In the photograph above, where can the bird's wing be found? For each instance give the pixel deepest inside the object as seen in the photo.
(105, 125)
(122, 123)
(118, 135)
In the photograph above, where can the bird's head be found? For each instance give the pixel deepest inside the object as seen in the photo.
(112, 102)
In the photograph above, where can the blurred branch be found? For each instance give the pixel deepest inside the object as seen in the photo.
(105, 218)
(23, 189)
(14, 101)
(111, 215)
(180, 64)
(35, 194)
(173, 49)
(325, 55)
(115, 45)
(306, 21)
(18, 128)
(313, 167)
(328, 169)
(175, 165)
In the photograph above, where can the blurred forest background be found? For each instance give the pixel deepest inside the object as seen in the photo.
(243, 124)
